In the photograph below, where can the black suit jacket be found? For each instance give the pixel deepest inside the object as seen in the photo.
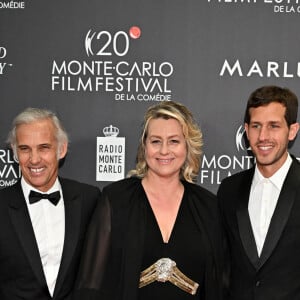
(111, 264)
(21, 271)
(275, 275)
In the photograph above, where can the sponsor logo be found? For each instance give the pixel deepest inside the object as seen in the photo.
(267, 69)
(241, 141)
(4, 65)
(110, 160)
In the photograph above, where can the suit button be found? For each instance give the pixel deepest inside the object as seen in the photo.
(257, 283)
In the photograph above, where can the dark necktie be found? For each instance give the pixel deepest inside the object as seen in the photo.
(35, 197)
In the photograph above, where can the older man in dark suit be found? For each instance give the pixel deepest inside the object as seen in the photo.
(261, 206)
(43, 218)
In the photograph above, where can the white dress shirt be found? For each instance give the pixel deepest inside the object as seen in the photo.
(263, 199)
(48, 223)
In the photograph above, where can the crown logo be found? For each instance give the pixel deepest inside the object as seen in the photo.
(111, 131)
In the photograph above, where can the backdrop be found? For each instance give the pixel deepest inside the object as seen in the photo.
(100, 64)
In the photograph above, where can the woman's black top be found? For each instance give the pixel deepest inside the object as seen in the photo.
(123, 239)
(185, 247)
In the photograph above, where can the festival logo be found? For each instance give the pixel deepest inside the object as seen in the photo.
(216, 167)
(9, 169)
(277, 6)
(110, 155)
(12, 5)
(109, 68)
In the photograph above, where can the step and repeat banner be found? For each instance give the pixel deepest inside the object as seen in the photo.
(100, 64)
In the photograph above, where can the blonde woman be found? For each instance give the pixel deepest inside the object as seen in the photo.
(156, 234)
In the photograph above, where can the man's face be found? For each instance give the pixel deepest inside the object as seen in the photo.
(269, 135)
(38, 153)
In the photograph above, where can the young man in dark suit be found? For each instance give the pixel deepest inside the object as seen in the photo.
(43, 218)
(261, 206)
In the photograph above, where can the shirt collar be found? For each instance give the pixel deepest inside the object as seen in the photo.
(27, 188)
(277, 178)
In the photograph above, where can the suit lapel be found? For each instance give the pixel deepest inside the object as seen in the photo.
(282, 211)
(243, 219)
(21, 220)
(72, 229)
